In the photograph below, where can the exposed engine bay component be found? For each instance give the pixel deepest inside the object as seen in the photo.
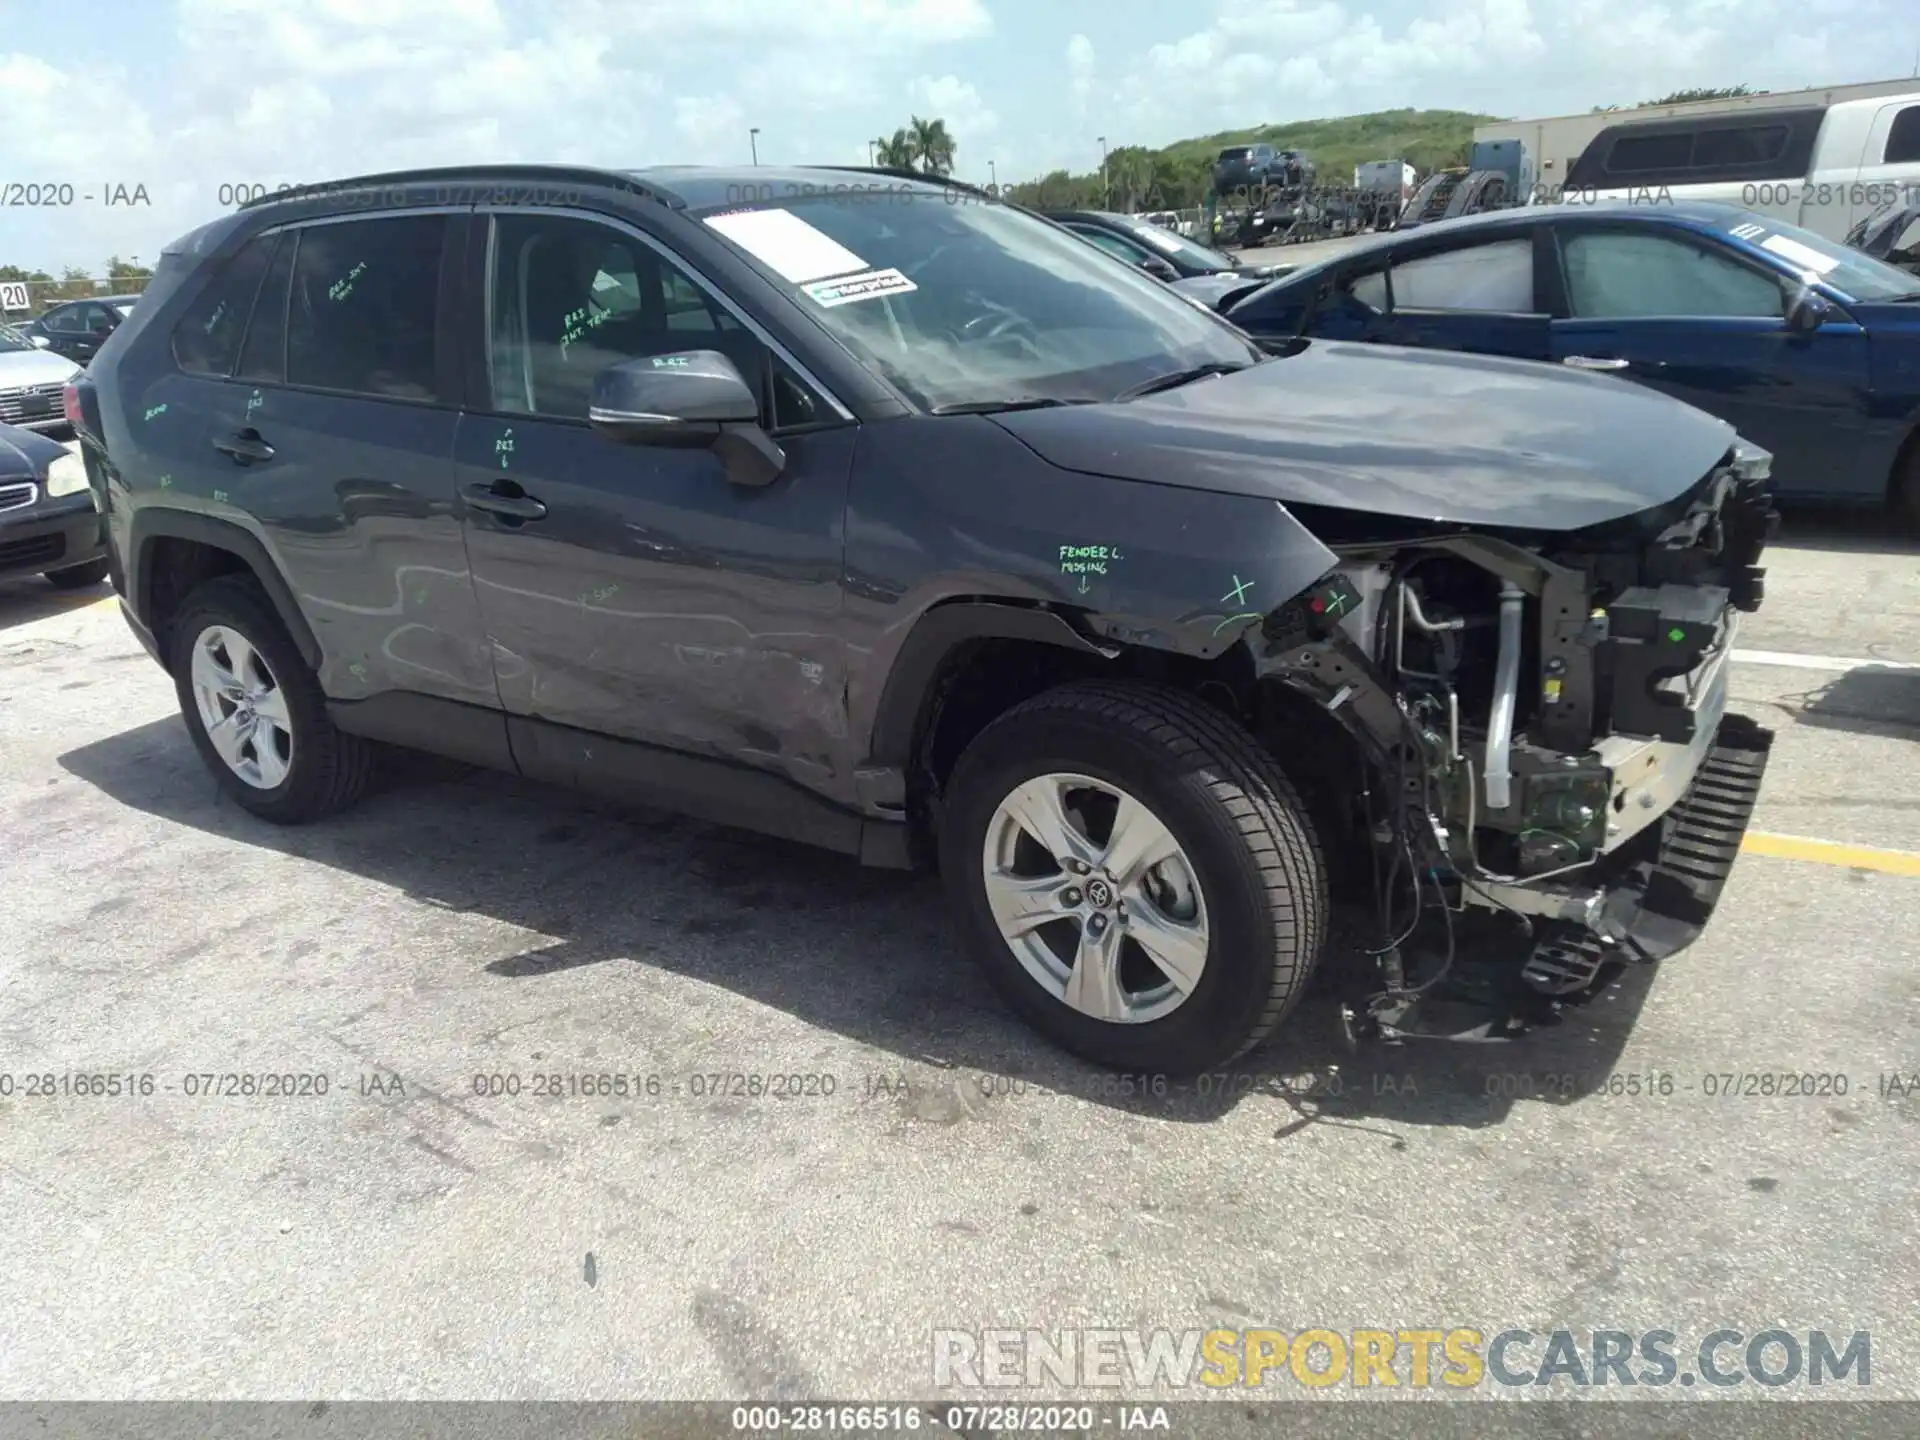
(1547, 734)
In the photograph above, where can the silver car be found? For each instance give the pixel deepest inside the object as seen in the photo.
(31, 379)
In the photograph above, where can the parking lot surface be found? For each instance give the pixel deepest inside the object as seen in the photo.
(431, 1227)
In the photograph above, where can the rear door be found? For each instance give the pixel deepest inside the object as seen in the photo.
(1478, 297)
(1673, 310)
(327, 430)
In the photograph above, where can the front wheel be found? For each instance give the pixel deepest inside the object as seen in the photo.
(1136, 874)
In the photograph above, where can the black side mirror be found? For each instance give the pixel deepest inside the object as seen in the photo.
(1807, 311)
(692, 398)
(1159, 269)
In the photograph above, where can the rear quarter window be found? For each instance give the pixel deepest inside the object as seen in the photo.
(206, 340)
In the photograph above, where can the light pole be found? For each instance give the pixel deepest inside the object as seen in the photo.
(994, 171)
(871, 161)
(1106, 192)
(753, 141)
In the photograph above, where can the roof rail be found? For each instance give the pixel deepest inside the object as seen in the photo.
(901, 172)
(473, 175)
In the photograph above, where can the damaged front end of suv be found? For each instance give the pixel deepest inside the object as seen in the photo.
(1547, 735)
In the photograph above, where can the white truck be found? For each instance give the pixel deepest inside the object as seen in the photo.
(1824, 167)
(1392, 177)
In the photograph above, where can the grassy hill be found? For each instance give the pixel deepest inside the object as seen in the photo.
(1177, 175)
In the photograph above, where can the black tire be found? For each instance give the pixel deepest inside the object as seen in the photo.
(329, 769)
(78, 577)
(1235, 815)
(1906, 489)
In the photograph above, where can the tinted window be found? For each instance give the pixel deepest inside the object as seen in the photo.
(363, 307)
(1370, 290)
(1618, 275)
(64, 321)
(1494, 278)
(264, 355)
(1642, 154)
(1113, 244)
(571, 297)
(1903, 140)
(207, 339)
(1742, 145)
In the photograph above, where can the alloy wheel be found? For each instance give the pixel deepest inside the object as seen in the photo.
(242, 707)
(1095, 897)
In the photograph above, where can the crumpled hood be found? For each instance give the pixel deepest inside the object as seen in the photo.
(1425, 435)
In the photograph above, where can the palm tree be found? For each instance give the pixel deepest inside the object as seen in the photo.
(933, 147)
(896, 153)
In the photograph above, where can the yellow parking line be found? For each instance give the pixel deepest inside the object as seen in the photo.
(1827, 852)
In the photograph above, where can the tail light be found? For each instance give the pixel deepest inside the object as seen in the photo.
(70, 404)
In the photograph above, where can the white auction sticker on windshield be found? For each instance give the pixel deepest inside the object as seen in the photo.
(1165, 239)
(849, 288)
(787, 243)
(1801, 255)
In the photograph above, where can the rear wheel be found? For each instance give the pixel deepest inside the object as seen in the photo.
(78, 577)
(256, 711)
(1136, 874)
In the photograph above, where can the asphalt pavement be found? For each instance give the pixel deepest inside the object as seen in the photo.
(833, 1142)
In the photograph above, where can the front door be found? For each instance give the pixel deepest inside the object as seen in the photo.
(634, 591)
(1708, 327)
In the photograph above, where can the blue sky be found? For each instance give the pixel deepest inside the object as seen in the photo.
(186, 96)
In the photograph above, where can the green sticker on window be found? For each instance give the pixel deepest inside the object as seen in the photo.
(1676, 635)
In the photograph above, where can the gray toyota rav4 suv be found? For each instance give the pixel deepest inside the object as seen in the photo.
(869, 511)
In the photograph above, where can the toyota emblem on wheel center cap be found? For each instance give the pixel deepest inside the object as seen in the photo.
(1099, 893)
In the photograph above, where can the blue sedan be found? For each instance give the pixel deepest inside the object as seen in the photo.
(1808, 348)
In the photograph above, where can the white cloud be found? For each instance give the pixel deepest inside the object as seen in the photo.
(1080, 71)
(953, 100)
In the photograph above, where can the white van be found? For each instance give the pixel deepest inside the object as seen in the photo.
(1825, 167)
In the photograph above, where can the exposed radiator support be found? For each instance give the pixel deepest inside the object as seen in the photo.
(1506, 690)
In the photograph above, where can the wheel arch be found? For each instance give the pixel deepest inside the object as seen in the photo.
(172, 551)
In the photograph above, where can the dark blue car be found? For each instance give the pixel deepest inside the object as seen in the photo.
(1810, 349)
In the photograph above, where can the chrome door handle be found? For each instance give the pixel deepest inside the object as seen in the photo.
(1594, 362)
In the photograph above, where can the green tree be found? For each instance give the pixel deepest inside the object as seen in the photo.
(1130, 179)
(933, 147)
(895, 153)
(1687, 97)
(127, 274)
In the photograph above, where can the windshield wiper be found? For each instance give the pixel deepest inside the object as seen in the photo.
(1181, 377)
(994, 407)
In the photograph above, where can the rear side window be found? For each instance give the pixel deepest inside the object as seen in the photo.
(1903, 139)
(1739, 145)
(364, 302)
(1495, 278)
(207, 339)
(264, 355)
(1644, 154)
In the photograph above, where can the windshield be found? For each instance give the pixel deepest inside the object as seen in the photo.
(1857, 276)
(961, 301)
(1200, 257)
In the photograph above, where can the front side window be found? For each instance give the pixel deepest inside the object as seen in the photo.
(1615, 275)
(1496, 278)
(206, 341)
(973, 304)
(363, 308)
(65, 321)
(573, 296)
